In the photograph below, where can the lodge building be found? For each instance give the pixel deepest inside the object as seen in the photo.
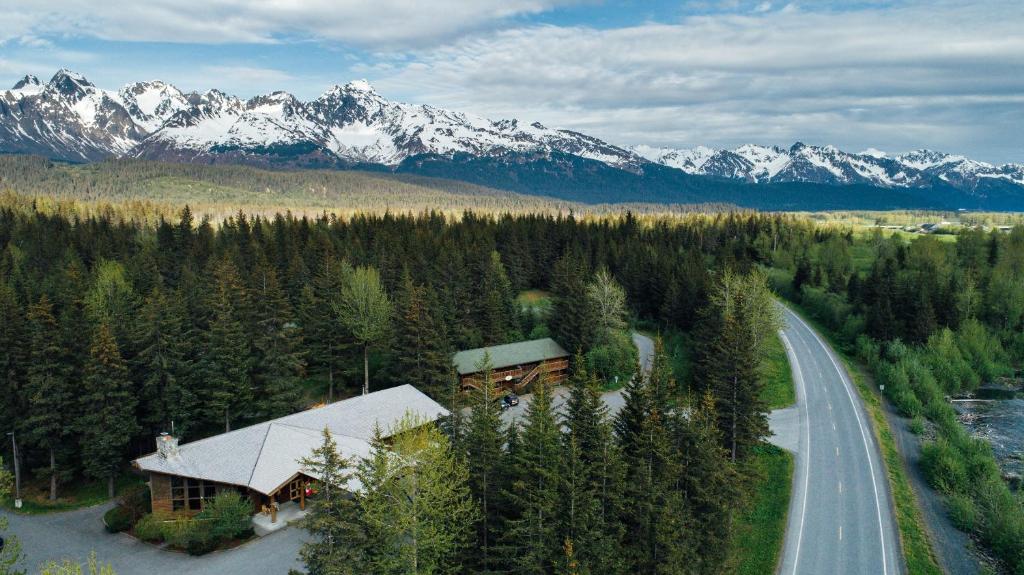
(262, 461)
(514, 366)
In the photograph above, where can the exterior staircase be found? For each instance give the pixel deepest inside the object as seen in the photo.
(529, 377)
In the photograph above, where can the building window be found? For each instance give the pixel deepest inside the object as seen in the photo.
(189, 493)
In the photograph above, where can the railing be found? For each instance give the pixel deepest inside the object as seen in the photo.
(517, 375)
(526, 379)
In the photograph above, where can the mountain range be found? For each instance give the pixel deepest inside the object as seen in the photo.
(353, 127)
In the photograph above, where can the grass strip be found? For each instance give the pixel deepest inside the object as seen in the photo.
(759, 531)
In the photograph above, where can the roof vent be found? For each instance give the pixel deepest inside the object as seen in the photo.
(167, 445)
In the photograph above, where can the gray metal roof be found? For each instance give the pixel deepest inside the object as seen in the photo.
(509, 354)
(265, 456)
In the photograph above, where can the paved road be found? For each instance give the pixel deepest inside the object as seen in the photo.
(840, 516)
(75, 534)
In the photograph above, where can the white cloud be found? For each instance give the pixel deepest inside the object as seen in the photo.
(378, 23)
(935, 75)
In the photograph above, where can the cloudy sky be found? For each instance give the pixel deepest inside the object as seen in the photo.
(893, 75)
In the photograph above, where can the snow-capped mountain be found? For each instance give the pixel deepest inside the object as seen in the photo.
(829, 165)
(69, 118)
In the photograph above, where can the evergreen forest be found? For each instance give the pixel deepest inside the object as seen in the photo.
(114, 329)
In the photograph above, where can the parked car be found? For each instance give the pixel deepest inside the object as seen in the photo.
(510, 400)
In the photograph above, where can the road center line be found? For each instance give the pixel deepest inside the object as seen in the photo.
(864, 437)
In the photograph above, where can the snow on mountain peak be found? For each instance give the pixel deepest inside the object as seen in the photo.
(28, 80)
(925, 159)
(27, 86)
(152, 103)
(70, 84)
(874, 153)
(690, 160)
(65, 75)
(361, 85)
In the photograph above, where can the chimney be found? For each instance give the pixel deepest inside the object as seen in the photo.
(167, 445)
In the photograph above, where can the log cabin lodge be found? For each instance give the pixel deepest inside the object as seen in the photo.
(262, 461)
(514, 366)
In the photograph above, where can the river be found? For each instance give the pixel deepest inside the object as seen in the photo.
(1001, 423)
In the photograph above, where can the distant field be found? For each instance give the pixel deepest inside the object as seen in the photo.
(865, 219)
(145, 190)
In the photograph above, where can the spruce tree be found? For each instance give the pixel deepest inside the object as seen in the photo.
(108, 404)
(161, 366)
(499, 314)
(657, 515)
(227, 358)
(708, 481)
(47, 388)
(591, 499)
(324, 335)
(737, 323)
(339, 539)
(278, 362)
(732, 377)
(573, 321)
(484, 460)
(422, 354)
(532, 537)
(13, 355)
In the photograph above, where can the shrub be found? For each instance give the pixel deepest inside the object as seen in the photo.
(1002, 525)
(150, 528)
(853, 328)
(982, 350)
(962, 511)
(617, 357)
(117, 519)
(943, 466)
(200, 538)
(830, 309)
(539, 331)
(179, 531)
(917, 425)
(229, 514)
(136, 502)
(905, 400)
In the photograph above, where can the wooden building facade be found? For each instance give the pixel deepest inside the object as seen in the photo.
(263, 461)
(514, 366)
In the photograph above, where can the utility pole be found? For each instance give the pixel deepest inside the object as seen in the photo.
(17, 472)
